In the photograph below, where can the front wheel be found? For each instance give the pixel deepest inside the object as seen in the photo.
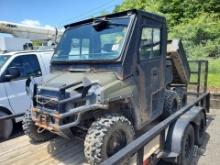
(6, 127)
(106, 136)
(30, 129)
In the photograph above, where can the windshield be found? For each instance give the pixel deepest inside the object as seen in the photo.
(3, 59)
(87, 43)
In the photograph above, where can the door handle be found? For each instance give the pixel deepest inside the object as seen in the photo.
(154, 72)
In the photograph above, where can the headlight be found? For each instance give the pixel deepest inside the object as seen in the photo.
(95, 91)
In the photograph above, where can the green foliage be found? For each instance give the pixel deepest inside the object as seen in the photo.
(37, 43)
(195, 22)
(214, 73)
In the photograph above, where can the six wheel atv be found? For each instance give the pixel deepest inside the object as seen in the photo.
(133, 78)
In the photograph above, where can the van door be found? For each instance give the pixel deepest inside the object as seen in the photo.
(28, 65)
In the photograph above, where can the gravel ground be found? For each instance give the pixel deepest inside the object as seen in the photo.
(209, 154)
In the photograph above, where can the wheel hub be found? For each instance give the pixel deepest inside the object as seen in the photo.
(116, 142)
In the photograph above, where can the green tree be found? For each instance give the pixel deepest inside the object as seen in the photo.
(196, 22)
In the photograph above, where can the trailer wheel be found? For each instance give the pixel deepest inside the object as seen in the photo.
(171, 104)
(200, 131)
(30, 129)
(106, 136)
(6, 127)
(187, 145)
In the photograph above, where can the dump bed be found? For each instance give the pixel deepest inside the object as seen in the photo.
(180, 65)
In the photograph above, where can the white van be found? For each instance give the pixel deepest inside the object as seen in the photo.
(15, 69)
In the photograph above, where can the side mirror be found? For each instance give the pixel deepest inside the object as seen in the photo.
(12, 73)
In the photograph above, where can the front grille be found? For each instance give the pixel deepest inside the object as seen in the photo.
(47, 103)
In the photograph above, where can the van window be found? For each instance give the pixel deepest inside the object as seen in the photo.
(28, 66)
(3, 59)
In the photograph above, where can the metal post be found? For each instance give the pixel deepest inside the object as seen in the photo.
(140, 156)
(206, 76)
(198, 79)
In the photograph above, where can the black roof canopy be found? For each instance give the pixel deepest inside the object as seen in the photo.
(155, 17)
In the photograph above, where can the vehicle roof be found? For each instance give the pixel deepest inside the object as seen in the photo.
(26, 52)
(153, 16)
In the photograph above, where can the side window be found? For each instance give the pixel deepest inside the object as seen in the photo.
(28, 65)
(32, 66)
(150, 43)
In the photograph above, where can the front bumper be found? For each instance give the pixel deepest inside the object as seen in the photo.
(54, 121)
(51, 113)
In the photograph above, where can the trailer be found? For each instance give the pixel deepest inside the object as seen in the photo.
(59, 151)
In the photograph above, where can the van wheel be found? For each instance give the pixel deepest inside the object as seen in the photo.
(171, 104)
(106, 136)
(6, 127)
(200, 130)
(30, 129)
(187, 145)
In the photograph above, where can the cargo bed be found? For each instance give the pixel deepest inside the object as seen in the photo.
(177, 55)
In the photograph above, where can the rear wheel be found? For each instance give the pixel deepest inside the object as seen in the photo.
(187, 145)
(30, 129)
(171, 104)
(106, 136)
(6, 127)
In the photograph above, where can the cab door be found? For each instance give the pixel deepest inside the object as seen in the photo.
(27, 65)
(151, 71)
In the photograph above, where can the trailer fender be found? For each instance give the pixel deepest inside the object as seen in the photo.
(177, 129)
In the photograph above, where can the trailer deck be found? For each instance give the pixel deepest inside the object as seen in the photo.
(21, 151)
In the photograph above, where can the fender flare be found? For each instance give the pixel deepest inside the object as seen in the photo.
(6, 110)
(177, 129)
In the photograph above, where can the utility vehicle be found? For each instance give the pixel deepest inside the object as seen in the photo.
(112, 78)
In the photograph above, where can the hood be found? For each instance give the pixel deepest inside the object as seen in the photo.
(111, 86)
(66, 78)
